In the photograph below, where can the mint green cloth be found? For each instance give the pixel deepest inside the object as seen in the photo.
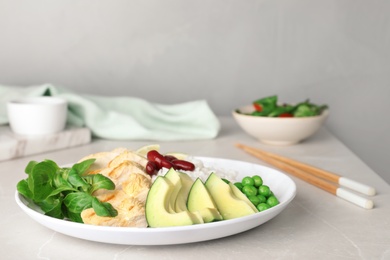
(125, 118)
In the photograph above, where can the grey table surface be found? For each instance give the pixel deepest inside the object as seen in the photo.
(315, 225)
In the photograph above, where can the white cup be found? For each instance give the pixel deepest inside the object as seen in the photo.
(37, 115)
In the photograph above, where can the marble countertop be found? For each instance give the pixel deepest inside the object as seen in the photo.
(315, 225)
(13, 145)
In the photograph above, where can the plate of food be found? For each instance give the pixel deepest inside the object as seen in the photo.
(188, 200)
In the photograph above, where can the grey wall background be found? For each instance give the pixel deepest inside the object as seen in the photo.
(226, 51)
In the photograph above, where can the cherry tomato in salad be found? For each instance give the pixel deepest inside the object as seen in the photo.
(286, 115)
(258, 107)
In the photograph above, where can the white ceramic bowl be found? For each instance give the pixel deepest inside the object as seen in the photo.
(279, 130)
(37, 115)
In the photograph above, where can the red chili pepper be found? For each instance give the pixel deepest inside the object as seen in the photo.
(258, 107)
(286, 115)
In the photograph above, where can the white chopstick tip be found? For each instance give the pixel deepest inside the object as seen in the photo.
(369, 204)
(357, 186)
(371, 191)
(355, 199)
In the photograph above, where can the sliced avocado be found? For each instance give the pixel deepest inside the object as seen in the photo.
(227, 203)
(181, 200)
(209, 214)
(240, 195)
(174, 177)
(156, 207)
(199, 199)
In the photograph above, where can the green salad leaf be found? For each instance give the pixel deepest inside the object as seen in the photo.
(308, 109)
(65, 192)
(102, 208)
(99, 181)
(269, 107)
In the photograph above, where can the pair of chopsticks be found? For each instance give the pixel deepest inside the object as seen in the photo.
(322, 179)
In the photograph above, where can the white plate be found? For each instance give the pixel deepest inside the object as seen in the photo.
(282, 186)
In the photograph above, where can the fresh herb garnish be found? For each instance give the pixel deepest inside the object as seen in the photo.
(269, 107)
(65, 192)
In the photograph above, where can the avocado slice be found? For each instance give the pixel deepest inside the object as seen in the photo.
(181, 200)
(157, 203)
(199, 199)
(173, 176)
(229, 205)
(242, 196)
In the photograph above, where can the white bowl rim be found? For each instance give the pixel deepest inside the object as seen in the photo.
(41, 100)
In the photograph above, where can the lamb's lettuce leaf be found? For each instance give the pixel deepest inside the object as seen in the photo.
(65, 192)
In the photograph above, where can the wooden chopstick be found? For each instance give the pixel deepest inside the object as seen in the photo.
(342, 181)
(303, 172)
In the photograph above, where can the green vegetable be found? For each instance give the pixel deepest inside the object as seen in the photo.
(257, 180)
(247, 181)
(260, 195)
(264, 190)
(307, 109)
(249, 190)
(238, 185)
(265, 106)
(65, 192)
(272, 201)
(269, 107)
(254, 199)
(263, 206)
(262, 198)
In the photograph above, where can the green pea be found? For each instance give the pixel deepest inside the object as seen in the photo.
(249, 190)
(254, 199)
(239, 185)
(263, 206)
(257, 180)
(262, 198)
(264, 190)
(272, 201)
(248, 181)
